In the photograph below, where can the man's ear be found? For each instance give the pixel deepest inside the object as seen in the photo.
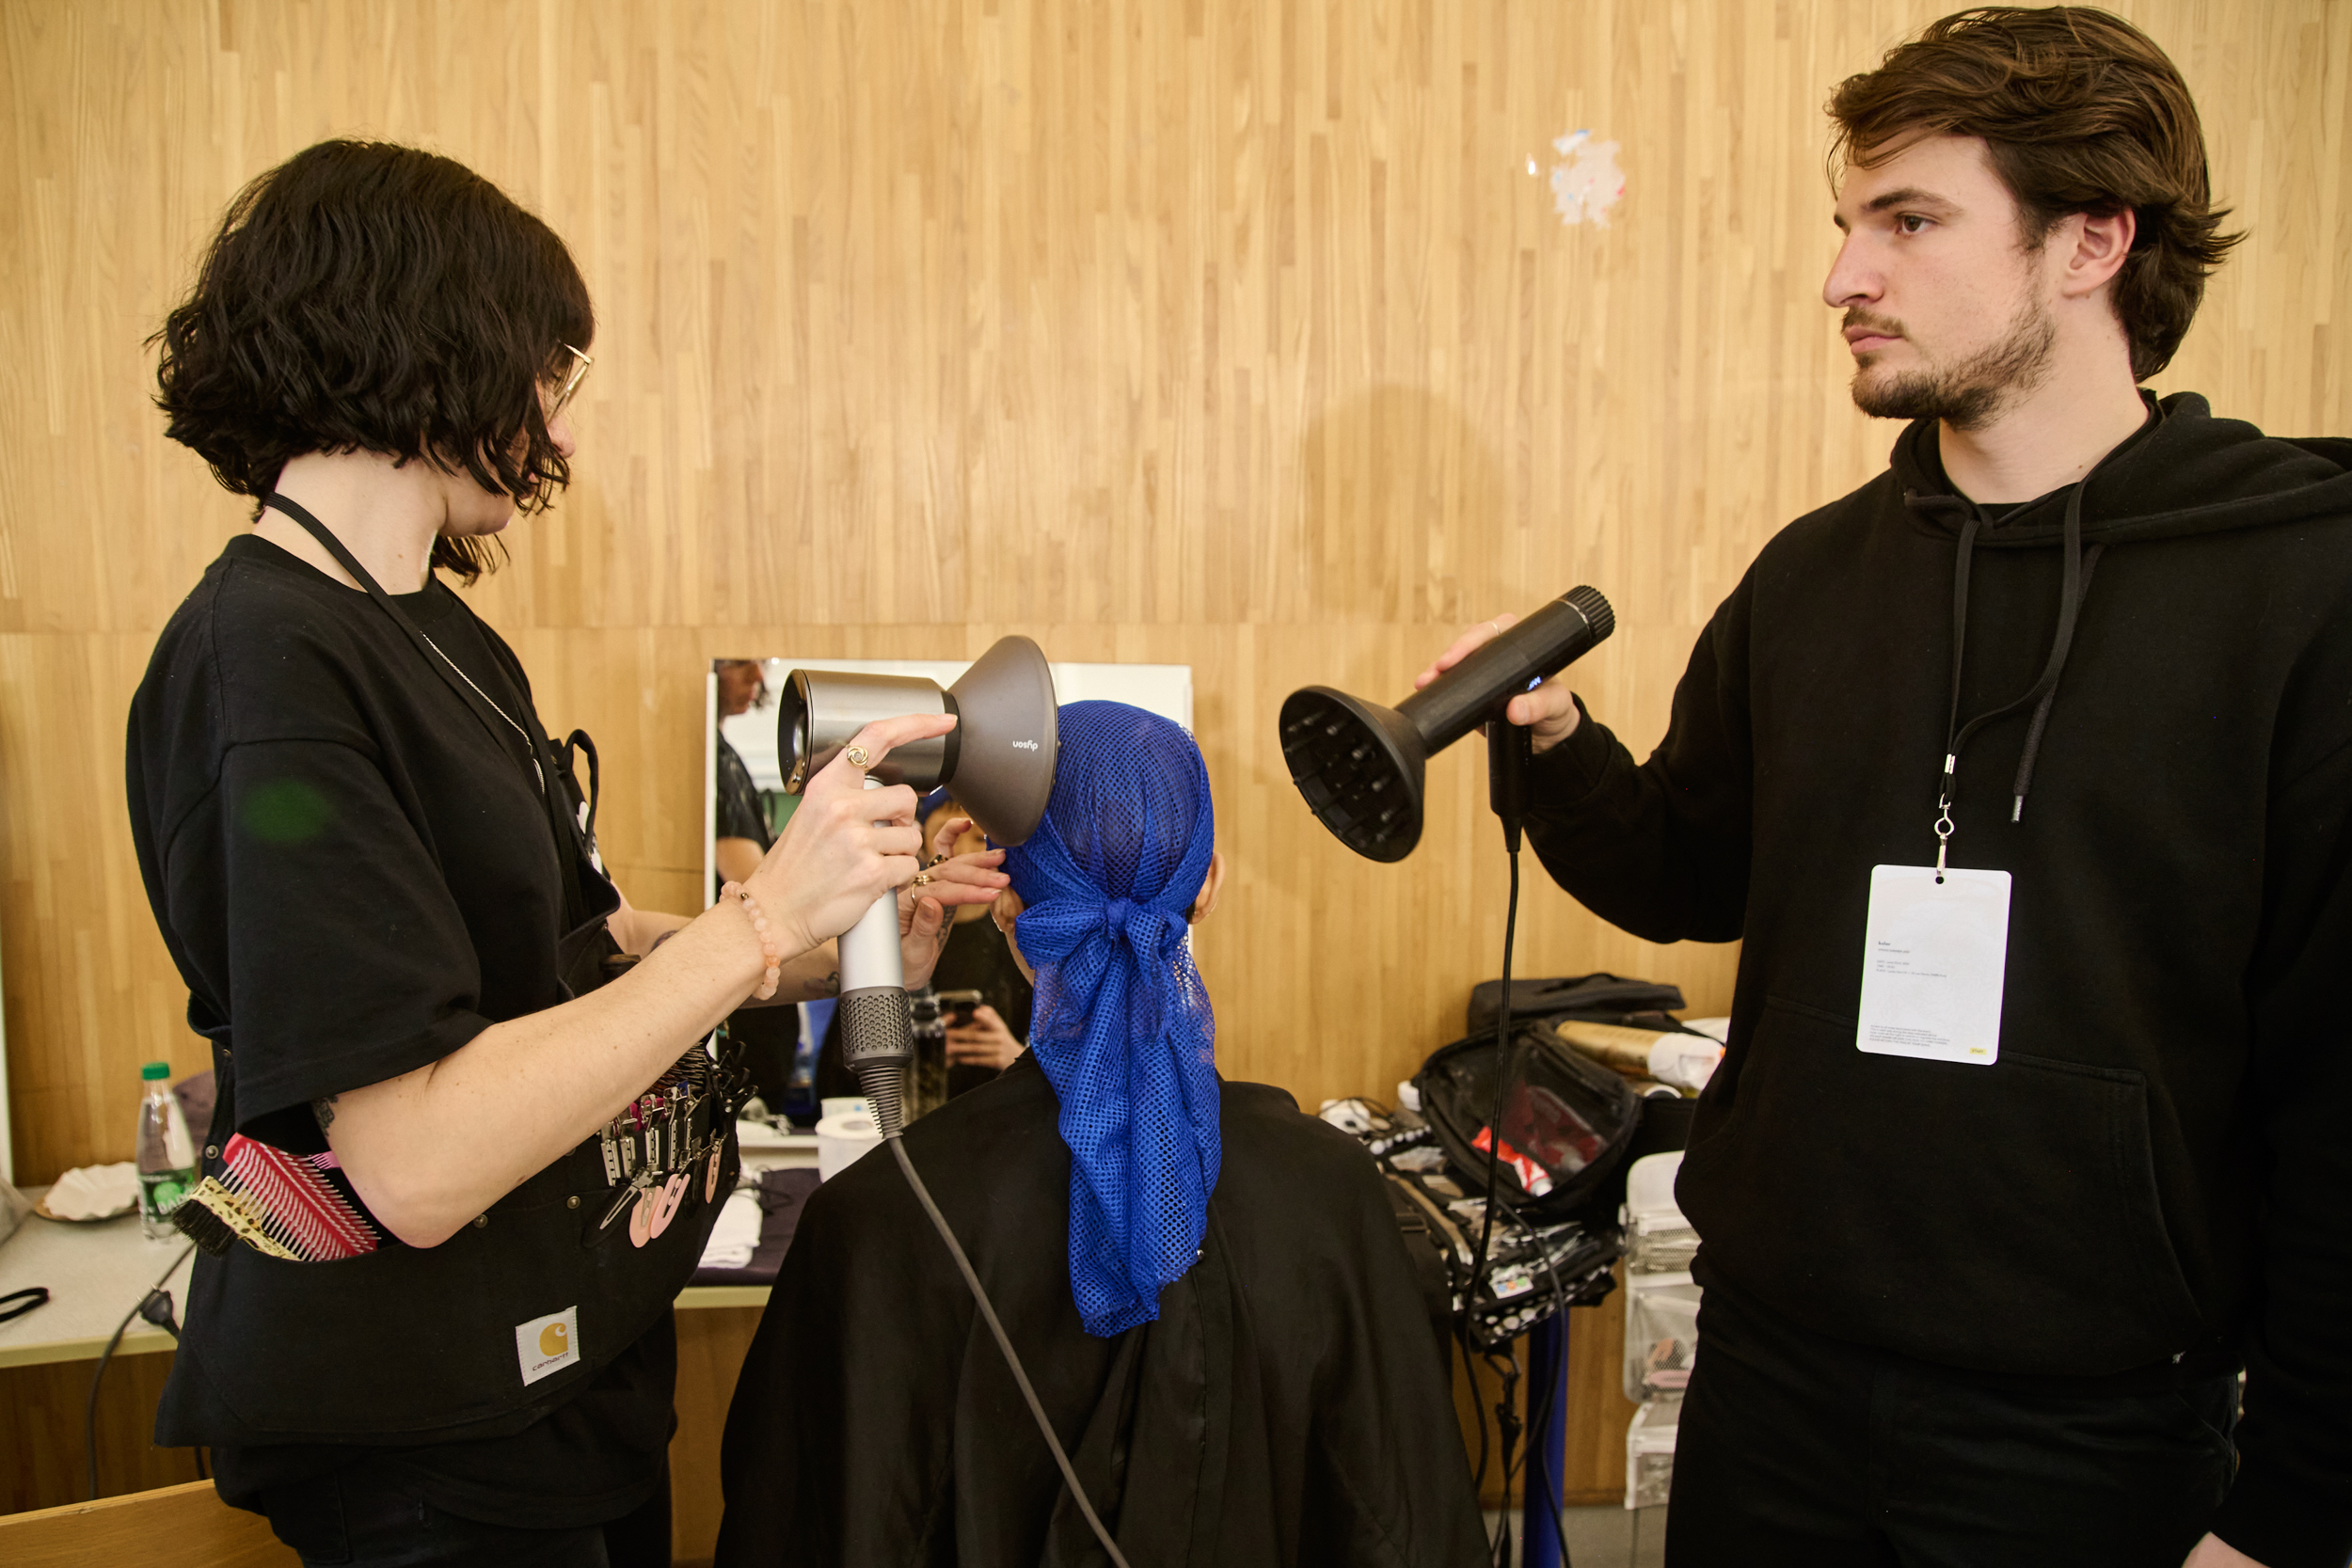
(1005, 912)
(1204, 902)
(2096, 248)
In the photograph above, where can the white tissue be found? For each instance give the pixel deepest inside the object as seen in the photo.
(842, 1141)
(1685, 1061)
(736, 1236)
(95, 1192)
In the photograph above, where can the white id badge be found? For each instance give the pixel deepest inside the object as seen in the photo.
(1933, 956)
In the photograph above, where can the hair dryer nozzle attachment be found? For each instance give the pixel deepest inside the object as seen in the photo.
(1009, 728)
(1360, 766)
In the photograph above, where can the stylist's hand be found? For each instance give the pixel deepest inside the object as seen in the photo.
(986, 1041)
(923, 920)
(845, 845)
(2214, 1552)
(1548, 710)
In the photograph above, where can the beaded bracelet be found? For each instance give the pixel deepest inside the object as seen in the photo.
(768, 946)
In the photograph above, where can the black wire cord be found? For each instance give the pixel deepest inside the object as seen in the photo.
(1538, 1424)
(1004, 1343)
(1486, 1220)
(89, 1413)
(1531, 1457)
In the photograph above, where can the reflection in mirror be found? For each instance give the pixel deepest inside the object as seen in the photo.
(973, 1020)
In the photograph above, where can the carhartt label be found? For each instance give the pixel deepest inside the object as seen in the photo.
(548, 1344)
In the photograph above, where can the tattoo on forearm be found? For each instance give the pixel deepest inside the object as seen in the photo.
(829, 985)
(325, 1110)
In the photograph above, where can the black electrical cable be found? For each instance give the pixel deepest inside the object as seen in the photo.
(1469, 1369)
(1004, 1343)
(1494, 1116)
(89, 1413)
(1507, 1369)
(1494, 1158)
(1538, 1425)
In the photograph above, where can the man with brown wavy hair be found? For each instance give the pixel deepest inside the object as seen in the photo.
(2024, 774)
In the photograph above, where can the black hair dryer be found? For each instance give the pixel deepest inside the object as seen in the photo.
(1360, 765)
(1000, 757)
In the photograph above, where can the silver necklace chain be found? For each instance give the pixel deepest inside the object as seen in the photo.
(487, 698)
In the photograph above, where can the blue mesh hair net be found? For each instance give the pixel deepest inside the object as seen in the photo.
(1121, 1023)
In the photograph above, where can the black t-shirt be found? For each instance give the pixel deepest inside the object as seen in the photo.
(738, 801)
(358, 875)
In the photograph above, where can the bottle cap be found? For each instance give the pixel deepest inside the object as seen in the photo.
(154, 1070)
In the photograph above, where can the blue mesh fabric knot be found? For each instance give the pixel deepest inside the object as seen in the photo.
(1121, 1024)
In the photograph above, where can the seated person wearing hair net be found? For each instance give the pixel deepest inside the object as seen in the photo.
(1206, 1287)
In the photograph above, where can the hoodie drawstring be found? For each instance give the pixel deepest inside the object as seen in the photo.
(2074, 584)
(2042, 710)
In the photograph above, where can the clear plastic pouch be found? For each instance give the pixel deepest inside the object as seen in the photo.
(1661, 1334)
(1650, 1453)
(1567, 1121)
(1658, 1240)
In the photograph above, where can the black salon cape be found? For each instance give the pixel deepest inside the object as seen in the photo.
(1289, 1405)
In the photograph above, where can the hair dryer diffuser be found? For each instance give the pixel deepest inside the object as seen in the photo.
(1360, 765)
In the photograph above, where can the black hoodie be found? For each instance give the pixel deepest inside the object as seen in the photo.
(2156, 1174)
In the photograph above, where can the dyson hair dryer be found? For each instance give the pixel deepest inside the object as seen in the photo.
(1360, 765)
(1000, 756)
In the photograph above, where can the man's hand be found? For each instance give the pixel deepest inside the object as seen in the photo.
(2214, 1552)
(1548, 710)
(986, 1041)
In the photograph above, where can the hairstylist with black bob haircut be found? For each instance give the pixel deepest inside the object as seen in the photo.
(455, 1177)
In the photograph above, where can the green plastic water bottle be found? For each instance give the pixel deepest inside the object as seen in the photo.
(166, 1153)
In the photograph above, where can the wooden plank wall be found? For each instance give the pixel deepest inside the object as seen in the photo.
(1228, 332)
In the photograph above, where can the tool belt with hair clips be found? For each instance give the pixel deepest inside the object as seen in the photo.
(307, 1324)
(668, 1142)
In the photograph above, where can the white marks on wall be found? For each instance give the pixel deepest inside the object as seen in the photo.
(1586, 182)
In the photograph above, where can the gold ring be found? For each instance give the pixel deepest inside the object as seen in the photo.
(859, 758)
(922, 879)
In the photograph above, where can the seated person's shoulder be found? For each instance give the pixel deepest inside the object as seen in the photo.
(1273, 1151)
(979, 1153)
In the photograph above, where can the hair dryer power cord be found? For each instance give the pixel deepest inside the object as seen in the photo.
(161, 1320)
(1004, 1343)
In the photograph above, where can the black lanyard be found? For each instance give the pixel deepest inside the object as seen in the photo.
(560, 819)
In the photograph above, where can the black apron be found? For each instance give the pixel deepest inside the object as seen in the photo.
(416, 1345)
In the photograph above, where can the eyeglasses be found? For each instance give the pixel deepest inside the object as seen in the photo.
(577, 373)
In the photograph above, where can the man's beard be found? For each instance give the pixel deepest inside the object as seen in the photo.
(1971, 394)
